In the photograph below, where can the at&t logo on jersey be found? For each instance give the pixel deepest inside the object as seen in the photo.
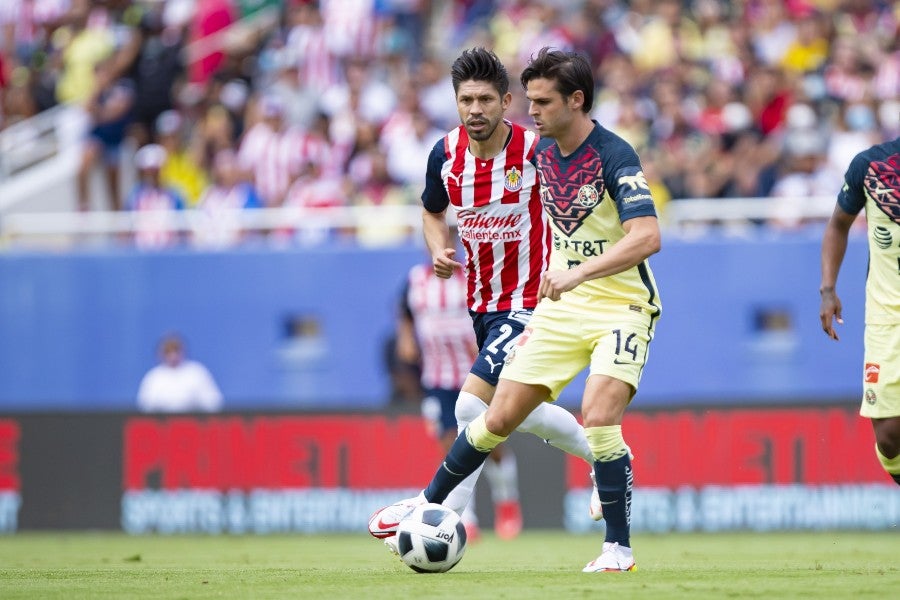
(513, 180)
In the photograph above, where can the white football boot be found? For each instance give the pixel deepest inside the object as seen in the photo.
(383, 523)
(613, 558)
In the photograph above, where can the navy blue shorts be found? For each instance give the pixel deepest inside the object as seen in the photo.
(496, 334)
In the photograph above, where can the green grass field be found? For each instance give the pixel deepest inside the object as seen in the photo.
(539, 564)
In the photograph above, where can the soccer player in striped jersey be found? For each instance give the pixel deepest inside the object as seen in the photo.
(485, 172)
(599, 303)
(434, 329)
(872, 182)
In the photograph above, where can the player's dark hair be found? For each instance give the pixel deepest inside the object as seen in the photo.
(480, 64)
(571, 72)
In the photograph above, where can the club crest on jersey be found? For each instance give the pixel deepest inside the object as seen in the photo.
(513, 180)
(871, 398)
(588, 196)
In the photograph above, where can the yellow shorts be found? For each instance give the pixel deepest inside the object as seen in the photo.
(881, 372)
(559, 342)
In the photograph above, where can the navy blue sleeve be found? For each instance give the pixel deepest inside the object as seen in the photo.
(434, 196)
(624, 179)
(852, 197)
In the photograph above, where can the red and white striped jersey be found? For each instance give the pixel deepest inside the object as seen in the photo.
(443, 327)
(273, 159)
(500, 218)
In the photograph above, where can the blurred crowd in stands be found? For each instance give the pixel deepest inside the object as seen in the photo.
(338, 102)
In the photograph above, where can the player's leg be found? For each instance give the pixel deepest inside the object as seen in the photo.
(502, 472)
(603, 406)
(887, 445)
(619, 353)
(498, 335)
(512, 402)
(881, 393)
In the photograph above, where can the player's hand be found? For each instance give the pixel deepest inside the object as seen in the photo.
(829, 312)
(444, 264)
(554, 283)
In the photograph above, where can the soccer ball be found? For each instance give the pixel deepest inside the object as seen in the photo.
(431, 539)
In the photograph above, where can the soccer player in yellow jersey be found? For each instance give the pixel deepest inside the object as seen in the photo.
(872, 182)
(599, 301)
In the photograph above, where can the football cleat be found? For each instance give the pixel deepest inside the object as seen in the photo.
(507, 519)
(383, 523)
(392, 544)
(614, 558)
(595, 509)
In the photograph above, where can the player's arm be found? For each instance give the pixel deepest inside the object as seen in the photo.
(642, 239)
(434, 216)
(438, 240)
(850, 201)
(834, 246)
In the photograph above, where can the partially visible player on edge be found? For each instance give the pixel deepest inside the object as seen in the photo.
(599, 301)
(872, 182)
(485, 170)
(434, 330)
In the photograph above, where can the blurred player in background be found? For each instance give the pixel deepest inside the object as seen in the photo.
(872, 181)
(434, 329)
(599, 302)
(485, 170)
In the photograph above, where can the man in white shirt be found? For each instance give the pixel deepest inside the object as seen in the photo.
(178, 384)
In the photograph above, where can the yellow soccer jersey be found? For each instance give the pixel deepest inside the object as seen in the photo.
(588, 195)
(873, 181)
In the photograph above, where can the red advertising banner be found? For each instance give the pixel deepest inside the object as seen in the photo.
(713, 470)
(748, 446)
(10, 479)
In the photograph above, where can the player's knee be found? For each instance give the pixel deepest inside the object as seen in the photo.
(890, 464)
(887, 436)
(468, 406)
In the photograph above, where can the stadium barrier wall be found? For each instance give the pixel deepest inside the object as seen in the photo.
(302, 329)
(709, 469)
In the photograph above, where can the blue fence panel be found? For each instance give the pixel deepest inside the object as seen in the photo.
(305, 328)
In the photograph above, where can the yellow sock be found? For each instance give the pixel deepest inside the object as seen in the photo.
(606, 442)
(481, 439)
(891, 465)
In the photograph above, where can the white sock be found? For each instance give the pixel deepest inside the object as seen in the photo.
(469, 517)
(559, 428)
(468, 406)
(503, 477)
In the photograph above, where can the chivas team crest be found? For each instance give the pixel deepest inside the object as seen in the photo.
(513, 180)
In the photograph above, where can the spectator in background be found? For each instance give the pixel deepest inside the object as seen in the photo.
(182, 170)
(178, 384)
(805, 175)
(219, 225)
(209, 18)
(157, 69)
(156, 206)
(110, 111)
(265, 153)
